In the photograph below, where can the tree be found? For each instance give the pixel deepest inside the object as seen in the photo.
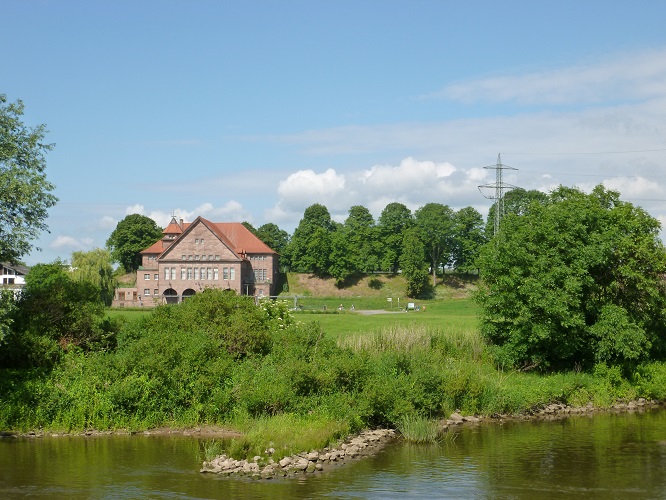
(309, 248)
(435, 223)
(467, 240)
(414, 267)
(276, 238)
(132, 235)
(361, 233)
(249, 227)
(575, 281)
(25, 195)
(518, 202)
(55, 312)
(95, 267)
(394, 220)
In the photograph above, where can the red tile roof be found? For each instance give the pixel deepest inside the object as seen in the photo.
(233, 234)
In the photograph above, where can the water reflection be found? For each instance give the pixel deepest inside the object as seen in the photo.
(600, 456)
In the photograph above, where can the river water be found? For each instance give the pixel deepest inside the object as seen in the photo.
(598, 456)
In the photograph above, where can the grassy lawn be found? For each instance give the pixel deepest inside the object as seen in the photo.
(128, 313)
(459, 315)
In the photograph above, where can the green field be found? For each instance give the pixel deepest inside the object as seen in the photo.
(456, 315)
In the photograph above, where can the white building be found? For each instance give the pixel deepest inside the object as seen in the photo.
(12, 276)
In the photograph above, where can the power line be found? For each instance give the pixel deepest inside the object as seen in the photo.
(499, 186)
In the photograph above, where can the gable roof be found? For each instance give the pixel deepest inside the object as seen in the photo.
(234, 235)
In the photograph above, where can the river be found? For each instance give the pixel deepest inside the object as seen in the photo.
(596, 456)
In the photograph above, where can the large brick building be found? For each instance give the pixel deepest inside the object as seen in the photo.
(192, 256)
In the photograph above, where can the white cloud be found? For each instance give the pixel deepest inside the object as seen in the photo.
(411, 182)
(232, 211)
(625, 77)
(64, 242)
(107, 222)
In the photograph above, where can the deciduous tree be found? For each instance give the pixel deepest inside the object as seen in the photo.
(574, 281)
(132, 235)
(95, 267)
(412, 263)
(436, 226)
(394, 220)
(25, 193)
(310, 246)
(468, 237)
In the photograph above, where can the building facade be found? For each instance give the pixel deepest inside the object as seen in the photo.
(12, 276)
(193, 256)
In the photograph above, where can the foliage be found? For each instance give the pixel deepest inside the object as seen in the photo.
(361, 234)
(573, 281)
(277, 239)
(310, 246)
(95, 267)
(436, 227)
(517, 202)
(232, 320)
(7, 311)
(26, 194)
(467, 239)
(55, 312)
(132, 235)
(412, 264)
(394, 220)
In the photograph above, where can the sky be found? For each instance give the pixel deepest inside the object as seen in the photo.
(254, 110)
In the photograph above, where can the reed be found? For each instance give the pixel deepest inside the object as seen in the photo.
(418, 429)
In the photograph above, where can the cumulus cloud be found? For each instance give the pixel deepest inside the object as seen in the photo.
(411, 182)
(231, 211)
(70, 243)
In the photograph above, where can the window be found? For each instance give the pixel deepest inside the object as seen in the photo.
(215, 275)
(196, 273)
(260, 274)
(203, 257)
(157, 276)
(146, 292)
(182, 273)
(202, 241)
(196, 257)
(167, 274)
(146, 277)
(232, 273)
(189, 257)
(217, 257)
(210, 257)
(203, 273)
(189, 273)
(210, 273)
(156, 292)
(184, 257)
(225, 273)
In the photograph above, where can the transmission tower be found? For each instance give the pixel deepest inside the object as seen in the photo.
(499, 187)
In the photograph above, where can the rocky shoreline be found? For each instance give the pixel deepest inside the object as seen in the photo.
(369, 442)
(265, 467)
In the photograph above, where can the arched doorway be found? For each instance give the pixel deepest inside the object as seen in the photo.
(170, 296)
(188, 293)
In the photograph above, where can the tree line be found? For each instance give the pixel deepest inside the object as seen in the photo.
(415, 243)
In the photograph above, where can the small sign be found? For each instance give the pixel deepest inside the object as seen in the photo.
(410, 306)
(389, 299)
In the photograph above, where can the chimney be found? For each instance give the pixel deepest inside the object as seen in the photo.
(181, 223)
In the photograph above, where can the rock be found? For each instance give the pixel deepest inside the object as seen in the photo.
(285, 462)
(456, 418)
(313, 455)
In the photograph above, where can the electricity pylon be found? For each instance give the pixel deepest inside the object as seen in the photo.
(499, 187)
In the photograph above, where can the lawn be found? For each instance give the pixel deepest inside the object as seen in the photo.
(372, 315)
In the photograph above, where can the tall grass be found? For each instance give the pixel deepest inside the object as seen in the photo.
(418, 429)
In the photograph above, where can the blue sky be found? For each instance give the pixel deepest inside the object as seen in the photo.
(255, 110)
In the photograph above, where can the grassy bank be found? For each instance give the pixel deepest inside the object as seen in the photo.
(288, 382)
